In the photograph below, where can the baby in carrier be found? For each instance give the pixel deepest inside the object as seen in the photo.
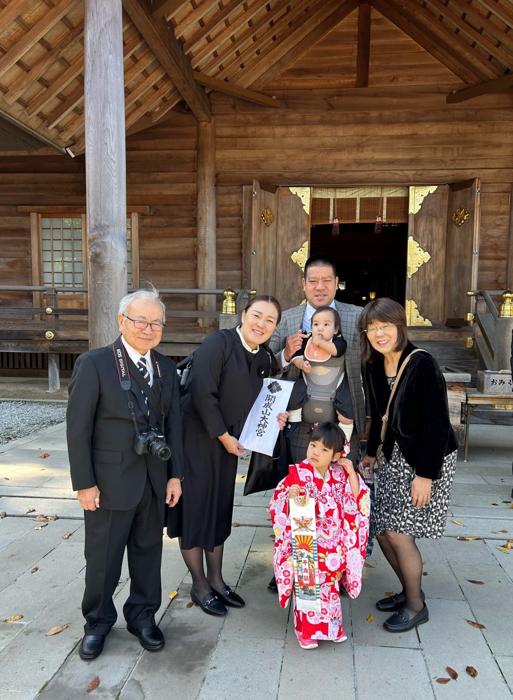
(322, 393)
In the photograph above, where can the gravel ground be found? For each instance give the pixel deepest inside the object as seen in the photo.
(21, 418)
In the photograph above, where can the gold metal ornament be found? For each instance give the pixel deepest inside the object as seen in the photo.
(229, 301)
(48, 311)
(49, 335)
(304, 194)
(267, 216)
(460, 216)
(300, 256)
(417, 256)
(413, 317)
(417, 194)
(506, 308)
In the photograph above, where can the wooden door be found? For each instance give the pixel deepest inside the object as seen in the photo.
(427, 219)
(276, 234)
(462, 249)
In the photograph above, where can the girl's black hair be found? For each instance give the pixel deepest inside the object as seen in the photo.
(336, 318)
(330, 435)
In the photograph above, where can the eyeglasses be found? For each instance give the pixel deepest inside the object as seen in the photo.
(387, 328)
(143, 325)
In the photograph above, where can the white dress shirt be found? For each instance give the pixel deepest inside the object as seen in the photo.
(135, 356)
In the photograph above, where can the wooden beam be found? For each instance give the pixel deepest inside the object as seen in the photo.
(236, 91)
(499, 11)
(211, 24)
(169, 52)
(162, 91)
(509, 259)
(492, 28)
(206, 214)
(9, 13)
(40, 28)
(437, 48)
(363, 49)
(46, 94)
(167, 8)
(105, 166)
(488, 87)
(286, 51)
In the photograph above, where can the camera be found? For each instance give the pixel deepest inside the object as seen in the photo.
(152, 442)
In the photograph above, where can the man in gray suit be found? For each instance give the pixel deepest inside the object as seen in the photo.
(320, 284)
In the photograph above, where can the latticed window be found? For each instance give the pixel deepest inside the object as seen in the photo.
(62, 252)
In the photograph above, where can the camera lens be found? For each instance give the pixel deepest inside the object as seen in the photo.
(163, 453)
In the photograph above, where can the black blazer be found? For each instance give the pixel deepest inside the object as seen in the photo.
(419, 415)
(100, 430)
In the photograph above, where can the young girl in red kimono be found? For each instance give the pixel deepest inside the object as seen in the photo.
(336, 553)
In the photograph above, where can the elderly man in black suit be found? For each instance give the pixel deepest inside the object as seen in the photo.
(125, 450)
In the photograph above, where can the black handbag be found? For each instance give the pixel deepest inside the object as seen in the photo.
(266, 472)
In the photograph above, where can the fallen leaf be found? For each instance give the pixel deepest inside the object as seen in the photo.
(389, 593)
(3, 515)
(504, 550)
(57, 629)
(44, 454)
(189, 604)
(475, 624)
(242, 476)
(508, 502)
(93, 684)
(40, 519)
(453, 674)
(6, 478)
(34, 569)
(172, 595)
(13, 618)
(425, 573)
(52, 517)
(468, 538)
(370, 618)
(40, 527)
(66, 536)
(235, 524)
(503, 530)
(369, 566)
(494, 504)
(472, 672)
(443, 681)
(473, 580)
(457, 522)
(30, 510)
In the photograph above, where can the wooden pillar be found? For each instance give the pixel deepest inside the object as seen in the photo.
(509, 257)
(105, 166)
(206, 264)
(54, 379)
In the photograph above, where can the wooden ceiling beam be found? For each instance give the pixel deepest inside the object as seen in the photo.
(498, 85)
(169, 52)
(9, 13)
(42, 98)
(481, 40)
(418, 12)
(64, 108)
(363, 45)
(288, 50)
(423, 36)
(236, 91)
(142, 88)
(34, 34)
(235, 24)
(162, 91)
(196, 14)
(499, 11)
(209, 26)
(148, 121)
(165, 10)
(493, 29)
(245, 40)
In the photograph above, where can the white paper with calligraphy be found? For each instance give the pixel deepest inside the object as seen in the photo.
(261, 427)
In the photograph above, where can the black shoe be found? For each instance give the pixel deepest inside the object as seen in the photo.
(400, 621)
(272, 585)
(230, 598)
(91, 646)
(210, 603)
(151, 637)
(394, 602)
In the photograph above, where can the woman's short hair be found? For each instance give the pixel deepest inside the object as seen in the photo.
(330, 435)
(267, 298)
(383, 310)
(334, 313)
(149, 294)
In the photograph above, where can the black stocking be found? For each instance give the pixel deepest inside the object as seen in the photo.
(194, 559)
(390, 555)
(214, 566)
(410, 565)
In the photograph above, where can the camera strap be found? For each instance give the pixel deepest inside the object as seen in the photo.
(122, 363)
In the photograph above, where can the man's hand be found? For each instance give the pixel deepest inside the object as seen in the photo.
(293, 344)
(231, 444)
(420, 491)
(173, 492)
(89, 499)
(282, 419)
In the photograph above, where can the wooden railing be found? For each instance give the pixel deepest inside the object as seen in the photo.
(491, 330)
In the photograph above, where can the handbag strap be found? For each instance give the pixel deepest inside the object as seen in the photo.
(384, 423)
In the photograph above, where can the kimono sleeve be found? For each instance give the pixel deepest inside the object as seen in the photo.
(355, 534)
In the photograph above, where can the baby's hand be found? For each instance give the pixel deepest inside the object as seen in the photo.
(306, 367)
(294, 491)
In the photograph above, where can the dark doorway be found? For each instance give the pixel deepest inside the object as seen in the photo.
(367, 261)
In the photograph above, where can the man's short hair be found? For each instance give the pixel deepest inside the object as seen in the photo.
(149, 294)
(317, 261)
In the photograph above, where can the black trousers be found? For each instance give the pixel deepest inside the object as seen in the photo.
(107, 534)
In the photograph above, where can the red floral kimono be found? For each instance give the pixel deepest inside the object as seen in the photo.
(342, 530)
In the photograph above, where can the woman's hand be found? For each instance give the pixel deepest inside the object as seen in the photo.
(173, 492)
(282, 419)
(420, 491)
(231, 444)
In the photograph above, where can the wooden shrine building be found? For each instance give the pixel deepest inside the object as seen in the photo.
(257, 131)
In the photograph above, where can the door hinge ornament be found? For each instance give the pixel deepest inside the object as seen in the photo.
(416, 257)
(300, 256)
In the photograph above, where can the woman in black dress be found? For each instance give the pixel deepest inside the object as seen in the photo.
(419, 453)
(227, 375)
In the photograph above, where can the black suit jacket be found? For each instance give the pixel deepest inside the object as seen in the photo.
(100, 430)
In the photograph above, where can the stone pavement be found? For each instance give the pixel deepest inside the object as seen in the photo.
(253, 652)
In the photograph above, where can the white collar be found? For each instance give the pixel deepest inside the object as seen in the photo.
(244, 344)
(134, 355)
(310, 310)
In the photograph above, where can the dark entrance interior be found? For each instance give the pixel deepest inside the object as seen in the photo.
(369, 259)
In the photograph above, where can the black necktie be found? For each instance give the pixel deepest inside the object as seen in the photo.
(143, 368)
